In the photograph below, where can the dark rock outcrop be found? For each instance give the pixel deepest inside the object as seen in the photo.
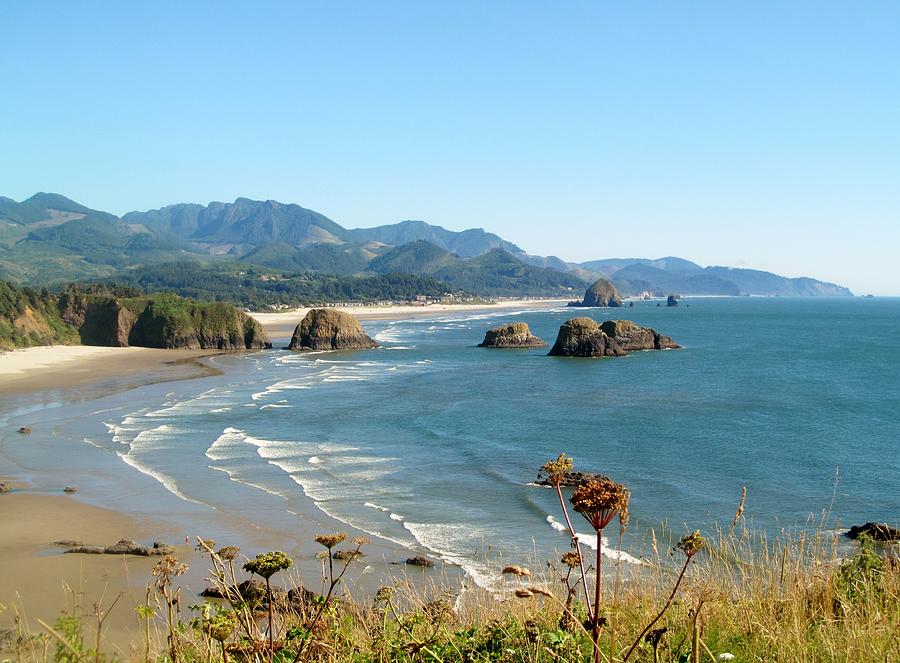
(5, 487)
(570, 479)
(633, 337)
(875, 531)
(418, 560)
(671, 300)
(70, 490)
(601, 293)
(24, 430)
(330, 329)
(583, 337)
(345, 553)
(123, 547)
(513, 335)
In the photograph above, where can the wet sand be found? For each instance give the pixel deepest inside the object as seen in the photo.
(62, 367)
(39, 581)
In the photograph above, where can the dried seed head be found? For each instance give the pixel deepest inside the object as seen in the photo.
(516, 570)
(229, 553)
(384, 594)
(599, 500)
(690, 544)
(360, 541)
(539, 590)
(330, 540)
(556, 469)
(204, 545)
(571, 559)
(323, 554)
(268, 564)
(524, 593)
(438, 612)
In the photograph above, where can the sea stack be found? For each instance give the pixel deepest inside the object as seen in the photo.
(329, 329)
(633, 337)
(601, 293)
(583, 337)
(671, 300)
(513, 335)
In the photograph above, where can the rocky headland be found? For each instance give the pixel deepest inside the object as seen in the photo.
(601, 293)
(584, 337)
(330, 329)
(513, 335)
(164, 321)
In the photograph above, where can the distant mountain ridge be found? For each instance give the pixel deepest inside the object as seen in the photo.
(50, 238)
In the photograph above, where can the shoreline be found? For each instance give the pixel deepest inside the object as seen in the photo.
(64, 367)
(38, 580)
(35, 573)
(283, 323)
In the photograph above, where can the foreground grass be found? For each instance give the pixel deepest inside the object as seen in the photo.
(741, 597)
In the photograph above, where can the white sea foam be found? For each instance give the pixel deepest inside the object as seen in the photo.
(396, 516)
(555, 524)
(375, 506)
(445, 539)
(168, 482)
(590, 540)
(314, 460)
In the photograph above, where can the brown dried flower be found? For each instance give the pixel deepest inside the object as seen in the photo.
(330, 540)
(204, 545)
(360, 541)
(516, 570)
(571, 559)
(539, 590)
(690, 544)
(229, 553)
(599, 500)
(524, 593)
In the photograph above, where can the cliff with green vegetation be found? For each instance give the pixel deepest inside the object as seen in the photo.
(120, 317)
(29, 317)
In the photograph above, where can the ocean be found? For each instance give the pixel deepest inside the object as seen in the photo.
(431, 445)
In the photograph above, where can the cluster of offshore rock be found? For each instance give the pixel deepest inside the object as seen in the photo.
(583, 337)
(330, 329)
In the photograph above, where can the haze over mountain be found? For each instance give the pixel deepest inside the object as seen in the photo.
(49, 238)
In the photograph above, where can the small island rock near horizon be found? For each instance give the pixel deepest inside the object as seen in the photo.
(511, 336)
(330, 329)
(601, 293)
(585, 337)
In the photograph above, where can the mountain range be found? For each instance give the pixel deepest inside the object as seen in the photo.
(49, 239)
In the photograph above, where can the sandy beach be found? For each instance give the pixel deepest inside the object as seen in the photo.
(70, 366)
(281, 324)
(38, 580)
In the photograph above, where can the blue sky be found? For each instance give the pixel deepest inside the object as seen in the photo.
(761, 134)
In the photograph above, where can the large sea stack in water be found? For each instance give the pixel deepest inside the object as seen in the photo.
(601, 293)
(513, 335)
(583, 337)
(329, 329)
(633, 337)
